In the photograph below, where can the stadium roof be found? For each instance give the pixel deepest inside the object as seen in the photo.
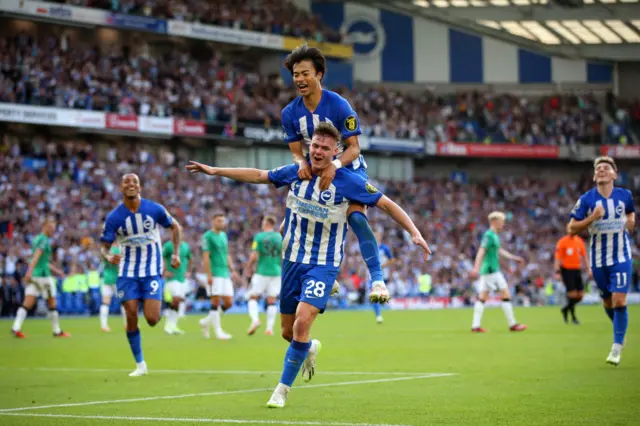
(598, 29)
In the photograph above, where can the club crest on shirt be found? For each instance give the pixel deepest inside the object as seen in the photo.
(351, 123)
(370, 188)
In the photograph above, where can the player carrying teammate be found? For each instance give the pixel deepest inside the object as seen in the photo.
(609, 215)
(487, 267)
(39, 282)
(108, 289)
(134, 223)
(315, 229)
(308, 65)
(267, 252)
(386, 259)
(216, 262)
(570, 256)
(176, 283)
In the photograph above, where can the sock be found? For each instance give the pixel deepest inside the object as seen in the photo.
(182, 309)
(252, 305)
(272, 312)
(20, 316)
(293, 360)
(176, 316)
(104, 315)
(478, 309)
(124, 315)
(572, 308)
(620, 322)
(172, 319)
(55, 321)
(368, 244)
(214, 318)
(135, 344)
(377, 309)
(609, 312)
(507, 307)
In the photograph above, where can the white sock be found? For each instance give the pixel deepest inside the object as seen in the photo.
(55, 321)
(182, 309)
(617, 347)
(272, 312)
(214, 317)
(507, 307)
(124, 315)
(20, 316)
(478, 309)
(170, 320)
(176, 317)
(252, 305)
(104, 316)
(141, 365)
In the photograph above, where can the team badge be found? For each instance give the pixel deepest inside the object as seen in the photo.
(370, 188)
(351, 123)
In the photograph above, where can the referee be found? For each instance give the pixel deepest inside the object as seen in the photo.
(571, 256)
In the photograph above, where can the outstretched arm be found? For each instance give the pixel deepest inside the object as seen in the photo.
(508, 255)
(235, 173)
(400, 216)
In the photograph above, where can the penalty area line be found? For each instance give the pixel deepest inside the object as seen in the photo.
(242, 391)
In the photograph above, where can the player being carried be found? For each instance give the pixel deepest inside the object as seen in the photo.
(313, 244)
(135, 224)
(609, 215)
(176, 283)
(39, 282)
(487, 267)
(108, 289)
(267, 253)
(307, 65)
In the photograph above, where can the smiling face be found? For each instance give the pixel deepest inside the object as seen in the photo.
(604, 173)
(322, 150)
(305, 77)
(130, 186)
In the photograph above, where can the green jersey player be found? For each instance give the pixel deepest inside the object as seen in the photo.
(176, 283)
(267, 253)
(487, 267)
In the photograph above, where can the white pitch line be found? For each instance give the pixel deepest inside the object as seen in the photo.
(192, 420)
(238, 372)
(190, 395)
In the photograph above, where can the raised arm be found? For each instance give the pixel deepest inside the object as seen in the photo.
(237, 174)
(403, 219)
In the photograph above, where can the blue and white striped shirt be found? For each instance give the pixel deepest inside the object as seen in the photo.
(316, 221)
(139, 237)
(610, 243)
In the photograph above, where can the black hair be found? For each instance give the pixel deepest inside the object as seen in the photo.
(306, 53)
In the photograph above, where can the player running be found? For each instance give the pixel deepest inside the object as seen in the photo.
(609, 215)
(487, 267)
(570, 256)
(267, 253)
(308, 65)
(176, 283)
(216, 262)
(386, 260)
(315, 230)
(134, 223)
(39, 282)
(108, 289)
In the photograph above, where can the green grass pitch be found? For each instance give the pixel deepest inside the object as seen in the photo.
(366, 373)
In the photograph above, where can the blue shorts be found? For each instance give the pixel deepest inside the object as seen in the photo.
(613, 279)
(305, 283)
(140, 288)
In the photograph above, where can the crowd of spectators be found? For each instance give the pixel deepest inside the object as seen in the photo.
(69, 181)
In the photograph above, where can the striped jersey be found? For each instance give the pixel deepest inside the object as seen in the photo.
(610, 243)
(316, 221)
(139, 237)
(298, 123)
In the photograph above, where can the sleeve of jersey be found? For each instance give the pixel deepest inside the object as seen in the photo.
(348, 121)
(288, 126)
(204, 243)
(357, 189)
(284, 175)
(486, 241)
(579, 211)
(558, 254)
(164, 218)
(254, 245)
(630, 207)
(108, 231)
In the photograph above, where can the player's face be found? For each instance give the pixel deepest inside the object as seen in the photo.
(499, 224)
(604, 173)
(219, 222)
(322, 151)
(50, 229)
(130, 185)
(305, 77)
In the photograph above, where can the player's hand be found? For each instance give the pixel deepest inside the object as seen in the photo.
(195, 167)
(114, 259)
(474, 274)
(419, 241)
(210, 280)
(598, 212)
(327, 176)
(304, 171)
(187, 275)
(590, 273)
(27, 276)
(520, 260)
(235, 277)
(175, 261)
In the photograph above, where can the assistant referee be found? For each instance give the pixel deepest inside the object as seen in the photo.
(571, 256)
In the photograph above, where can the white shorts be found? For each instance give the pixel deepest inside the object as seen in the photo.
(261, 284)
(220, 287)
(492, 282)
(177, 288)
(41, 286)
(108, 290)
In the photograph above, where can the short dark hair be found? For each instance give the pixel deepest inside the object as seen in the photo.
(218, 213)
(327, 129)
(605, 159)
(306, 53)
(271, 220)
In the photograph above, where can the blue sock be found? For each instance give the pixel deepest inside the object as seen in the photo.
(134, 342)
(293, 360)
(620, 322)
(609, 312)
(377, 309)
(368, 244)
